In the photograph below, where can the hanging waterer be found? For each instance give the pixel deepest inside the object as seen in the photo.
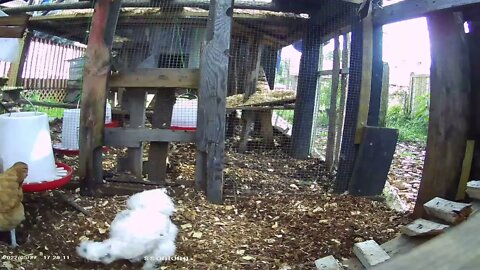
(25, 137)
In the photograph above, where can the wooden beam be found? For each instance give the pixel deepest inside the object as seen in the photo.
(376, 76)
(332, 112)
(384, 97)
(450, 94)
(95, 76)
(156, 78)
(474, 44)
(158, 151)
(18, 20)
(366, 83)
(343, 96)
(410, 9)
(454, 250)
(132, 137)
(466, 169)
(210, 138)
(306, 93)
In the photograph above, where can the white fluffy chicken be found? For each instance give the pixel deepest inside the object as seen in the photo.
(143, 231)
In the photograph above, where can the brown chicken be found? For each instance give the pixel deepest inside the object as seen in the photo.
(11, 196)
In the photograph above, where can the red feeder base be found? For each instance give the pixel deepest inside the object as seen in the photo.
(50, 185)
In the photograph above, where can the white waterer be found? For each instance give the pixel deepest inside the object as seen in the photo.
(25, 137)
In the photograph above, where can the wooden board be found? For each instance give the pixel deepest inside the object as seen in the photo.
(450, 112)
(11, 32)
(373, 161)
(423, 227)
(156, 78)
(457, 249)
(158, 151)
(131, 137)
(366, 82)
(466, 168)
(413, 9)
(210, 137)
(332, 113)
(17, 20)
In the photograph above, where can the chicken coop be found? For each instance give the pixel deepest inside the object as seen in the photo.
(205, 88)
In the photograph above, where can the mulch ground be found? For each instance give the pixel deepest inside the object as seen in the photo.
(279, 213)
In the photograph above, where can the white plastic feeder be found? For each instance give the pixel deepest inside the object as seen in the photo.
(71, 127)
(184, 114)
(25, 137)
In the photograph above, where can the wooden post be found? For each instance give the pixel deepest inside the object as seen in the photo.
(377, 74)
(384, 97)
(250, 86)
(306, 92)
(366, 82)
(450, 92)
(212, 100)
(474, 42)
(96, 72)
(348, 151)
(343, 93)
(332, 112)
(134, 102)
(158, 152)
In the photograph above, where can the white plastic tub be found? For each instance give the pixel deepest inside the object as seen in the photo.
(184, 114)
(25, 137)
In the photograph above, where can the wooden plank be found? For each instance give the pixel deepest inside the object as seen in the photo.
(451, 212)
(474, 44)
(210, 138)
(343, 96)
(457, 249)
(410, 9)
(377, 74)
(156, 78)
(373, 162)
(370, 253)
(11, 32)
(449, 110)
(158, 152)
(134, 102)
(466, 168)
(423, 227)
(131, 137)
(18, 20)
(306, 92)
(95, 76)
(366, 83)
(332, 112)
(384, 96)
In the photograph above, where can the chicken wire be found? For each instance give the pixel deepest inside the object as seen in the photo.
(282, 75)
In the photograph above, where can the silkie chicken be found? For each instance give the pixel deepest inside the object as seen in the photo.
(12, 212)
(143, 231)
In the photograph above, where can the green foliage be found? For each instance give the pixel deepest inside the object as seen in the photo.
(414, 127)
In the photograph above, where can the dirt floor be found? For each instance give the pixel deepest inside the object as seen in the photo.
(278, 214)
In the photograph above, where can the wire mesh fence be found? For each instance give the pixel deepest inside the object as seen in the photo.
(283, 67)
